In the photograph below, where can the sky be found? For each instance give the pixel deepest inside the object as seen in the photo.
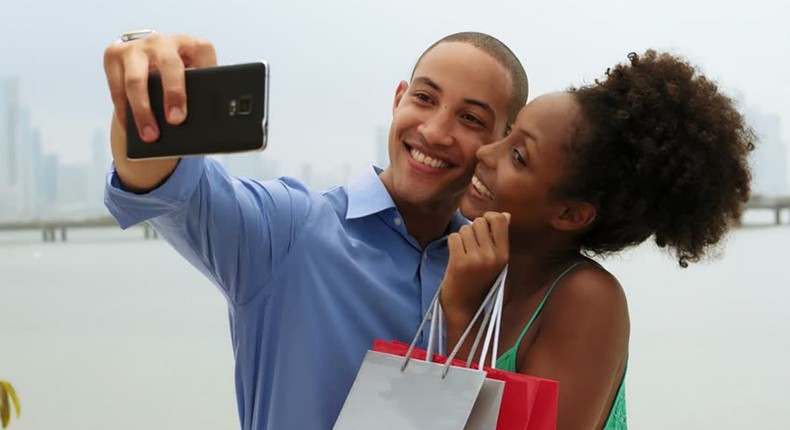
(335, 64)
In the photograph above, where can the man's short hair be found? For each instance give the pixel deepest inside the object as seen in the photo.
(503, 55)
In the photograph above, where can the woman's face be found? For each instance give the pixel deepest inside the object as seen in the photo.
(517, 174)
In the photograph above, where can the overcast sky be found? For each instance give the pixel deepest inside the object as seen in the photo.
(335, 64)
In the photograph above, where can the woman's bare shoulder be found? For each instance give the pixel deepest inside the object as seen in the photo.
(589, 294)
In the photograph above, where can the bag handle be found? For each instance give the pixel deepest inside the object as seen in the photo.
(433, 333)
(434, 313)
(492, 331)
(486, 318)
(498, 285)
(492, 334)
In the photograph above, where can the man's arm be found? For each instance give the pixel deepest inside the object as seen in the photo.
(234, 231)
(237, 232)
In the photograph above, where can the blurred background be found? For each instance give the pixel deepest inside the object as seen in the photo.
(102, 328)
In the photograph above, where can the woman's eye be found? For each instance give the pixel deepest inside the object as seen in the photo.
(517, 156)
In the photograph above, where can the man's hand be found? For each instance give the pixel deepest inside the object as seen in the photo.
(478, 253)
(127, 66)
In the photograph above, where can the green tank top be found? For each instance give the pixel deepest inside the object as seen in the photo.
(507, 361)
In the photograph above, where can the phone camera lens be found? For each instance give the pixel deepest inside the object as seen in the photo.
(245, 105)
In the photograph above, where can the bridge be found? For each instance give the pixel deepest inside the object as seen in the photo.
(776, 204)
(51, 227)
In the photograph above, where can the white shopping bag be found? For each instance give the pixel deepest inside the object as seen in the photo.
(403, 393)
(485, 412)
(384, 397)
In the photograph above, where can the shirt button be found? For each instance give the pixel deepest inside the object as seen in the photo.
(398, 221)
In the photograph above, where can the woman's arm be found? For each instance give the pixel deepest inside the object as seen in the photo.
(478, 253)
(582, 342)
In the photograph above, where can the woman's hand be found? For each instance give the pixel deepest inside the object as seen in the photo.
(478, 253)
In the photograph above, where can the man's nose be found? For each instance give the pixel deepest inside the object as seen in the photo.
(437, 129)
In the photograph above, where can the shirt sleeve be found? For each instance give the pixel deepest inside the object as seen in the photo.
(235, 231)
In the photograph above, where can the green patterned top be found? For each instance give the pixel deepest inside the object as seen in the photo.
(507, 362)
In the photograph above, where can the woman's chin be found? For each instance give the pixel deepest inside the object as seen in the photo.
(472, 208)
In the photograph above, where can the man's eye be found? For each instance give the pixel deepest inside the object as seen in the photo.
(473, 119)
(423, 97)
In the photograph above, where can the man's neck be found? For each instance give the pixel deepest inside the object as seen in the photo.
(427, 224)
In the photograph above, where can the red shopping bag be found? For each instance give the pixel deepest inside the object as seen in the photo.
(528, 402)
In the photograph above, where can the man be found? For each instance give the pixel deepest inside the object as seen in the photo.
(313, 278)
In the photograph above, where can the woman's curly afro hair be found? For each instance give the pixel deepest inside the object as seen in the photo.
(659, 152)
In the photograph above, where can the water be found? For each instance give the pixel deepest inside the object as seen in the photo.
(113, 331)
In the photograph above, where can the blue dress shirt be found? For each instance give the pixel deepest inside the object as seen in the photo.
(311, 279)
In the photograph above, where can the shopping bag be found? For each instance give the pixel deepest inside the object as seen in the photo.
(527, 403)
(404, 392)
(384, 397)
(485, 412)
(400, 386)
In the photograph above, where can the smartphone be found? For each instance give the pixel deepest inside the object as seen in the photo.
(227, 112)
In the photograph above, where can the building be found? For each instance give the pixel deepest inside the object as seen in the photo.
(382, 147)
(769, 160)
(19, 143)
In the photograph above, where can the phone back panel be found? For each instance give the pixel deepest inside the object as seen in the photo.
(226, 112)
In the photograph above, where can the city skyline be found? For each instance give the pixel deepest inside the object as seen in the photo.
(335, 66)
(35, 184)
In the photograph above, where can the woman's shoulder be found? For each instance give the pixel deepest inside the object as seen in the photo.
(588, 294)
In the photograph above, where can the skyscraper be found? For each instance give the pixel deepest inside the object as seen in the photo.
(769, 160)
(47, 185)
(5, 158)
(19, 150)
(9, 138)
(246, 165)
(382, 147)
(98, 167)
(24, 142)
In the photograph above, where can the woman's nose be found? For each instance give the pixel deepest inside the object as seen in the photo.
(488, 154)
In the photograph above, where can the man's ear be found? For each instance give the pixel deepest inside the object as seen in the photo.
(403, 86)
(574, 216)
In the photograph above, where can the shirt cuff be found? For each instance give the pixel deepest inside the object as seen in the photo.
(130, 208)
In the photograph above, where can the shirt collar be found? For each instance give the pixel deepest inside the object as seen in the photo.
(458, 221)
(367, 195)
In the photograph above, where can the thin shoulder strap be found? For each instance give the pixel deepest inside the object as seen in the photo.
(543, 302)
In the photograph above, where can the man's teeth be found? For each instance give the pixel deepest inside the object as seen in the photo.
(428, 161)
(481, 188)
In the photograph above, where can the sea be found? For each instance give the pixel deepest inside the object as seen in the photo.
(110, 330)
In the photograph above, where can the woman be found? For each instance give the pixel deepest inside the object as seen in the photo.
(653, 150)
